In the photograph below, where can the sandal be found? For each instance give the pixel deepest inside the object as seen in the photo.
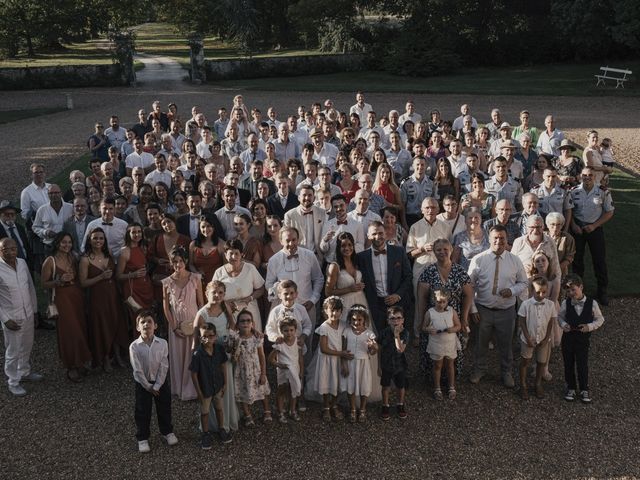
(248, 421)
(352, 416)
(326, 415)
(437, 394)
(337, 413)
(74, 377)
(452, 394)
(362, 416)
(267, 417)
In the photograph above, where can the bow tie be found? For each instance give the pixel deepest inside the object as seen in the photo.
(539, 303)
(230, 212)
(344, 222)
(80, 221)
(380, 252)
(307, 213)
(577, 302)
(362, 214)
(295, 255)
(194, 217)
(110, 224)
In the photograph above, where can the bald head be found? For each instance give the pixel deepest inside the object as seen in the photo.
(9, 251)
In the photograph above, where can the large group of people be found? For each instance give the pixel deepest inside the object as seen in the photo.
(323, 244)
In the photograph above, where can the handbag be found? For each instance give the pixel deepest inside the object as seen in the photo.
(131, 302)
(186, 328)
(52, 310)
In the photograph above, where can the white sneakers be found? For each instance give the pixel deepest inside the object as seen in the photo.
(171, 439)
(143, 446)
(17, 390)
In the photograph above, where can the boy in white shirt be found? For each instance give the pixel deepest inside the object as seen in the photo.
(535, 317)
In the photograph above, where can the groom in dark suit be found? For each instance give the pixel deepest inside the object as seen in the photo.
(387, 276)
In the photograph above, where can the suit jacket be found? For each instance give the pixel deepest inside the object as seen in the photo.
(182, 225)
(243, 197)
(399, 279)
(22, 233)
(70, 227)
(275, 207)
(251, 186)
(293, 218)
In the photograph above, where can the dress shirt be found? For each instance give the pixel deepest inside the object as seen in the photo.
(113, 233)
(156, 176)
(32, 198)
(414, 191)
(509, 190)
(352, 226)
(458, 165)
(150, 363)
(272, 329)
(116, 137)
(202, 149)
(458, 123)
(286, 151)
(303, 269)
(549, 143)
(17, 293)
(401, 163)
(598, 318)
(414, 117)
(364, 219)
(220, 126)
(48, 219)
(376, 203)
(226, 219)
(194, 225)
(327, 156)
(178, 141)
(421, 233)
(80, 226)
(588, 206)
(555, 200)
(511, 275)
(537, 317)
(362, 111)
(248, 157)
(143, 160)
(380, 266)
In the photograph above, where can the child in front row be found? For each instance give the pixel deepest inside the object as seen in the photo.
(326, 374)
(441, 323)
(209, 375)
(393, 361)
(150, 362)
(251, 369)
(356, 373)
(286, 356)
(536, 318)
(579, 315)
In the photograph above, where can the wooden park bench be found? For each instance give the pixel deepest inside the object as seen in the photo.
(608, 73)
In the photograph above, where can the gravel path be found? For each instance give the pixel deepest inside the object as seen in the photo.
(87, 431)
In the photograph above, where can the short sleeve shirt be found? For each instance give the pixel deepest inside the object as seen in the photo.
(391, 360)
(207, 367)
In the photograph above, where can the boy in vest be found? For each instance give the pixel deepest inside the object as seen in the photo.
(578, 317)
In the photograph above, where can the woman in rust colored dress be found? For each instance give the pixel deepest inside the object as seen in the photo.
(158, 253)
(60, 273)
(132, 274)
(252, 246)
(205, 252)
(107, 325)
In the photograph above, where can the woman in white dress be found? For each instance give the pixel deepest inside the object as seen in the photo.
(244, 284)
(345, 281)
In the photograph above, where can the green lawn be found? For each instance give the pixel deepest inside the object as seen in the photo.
(88, 53)
(7, 116)
(550, 80)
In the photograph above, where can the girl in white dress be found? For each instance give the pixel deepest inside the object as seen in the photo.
(326, 370)
(286, 356)
(356, 374)
(441, 323)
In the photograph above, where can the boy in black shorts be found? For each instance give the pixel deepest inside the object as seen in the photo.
(393, 362)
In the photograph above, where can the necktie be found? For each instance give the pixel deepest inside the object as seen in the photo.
(109, 224)
(12, 232)
(494, 290)
(344, 222)
(253, 156)
(379, 252)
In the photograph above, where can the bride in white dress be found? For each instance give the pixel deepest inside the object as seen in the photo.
(345, 280)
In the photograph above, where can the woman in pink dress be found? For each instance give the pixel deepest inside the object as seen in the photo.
(181, 300)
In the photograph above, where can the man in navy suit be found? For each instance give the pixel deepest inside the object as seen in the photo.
(283, 200)
(189, 224)
(387, 276)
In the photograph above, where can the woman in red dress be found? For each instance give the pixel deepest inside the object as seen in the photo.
(60, 273)
(133, 275)
(206, 254)
(107, 326)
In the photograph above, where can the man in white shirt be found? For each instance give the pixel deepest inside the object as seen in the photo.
(114, 228)
(502, 186)
(18, 308)
(160, 174)
(362, 214)
(324, 181)
(549, 141)
(35, 194)
(498, 278)
(457, 159)
(410, 113)
(299, 265)
(286, 147)
(361, 108)
(371, 127)
(393, 126)
(139, 158)
(228, 212)
(189, 168)
(177, 138)
(341, 223)
(202, 149)
(253, 152)
(323, 152)
(116, 135)
(297, 135)
(50, 217)
(458, 123)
